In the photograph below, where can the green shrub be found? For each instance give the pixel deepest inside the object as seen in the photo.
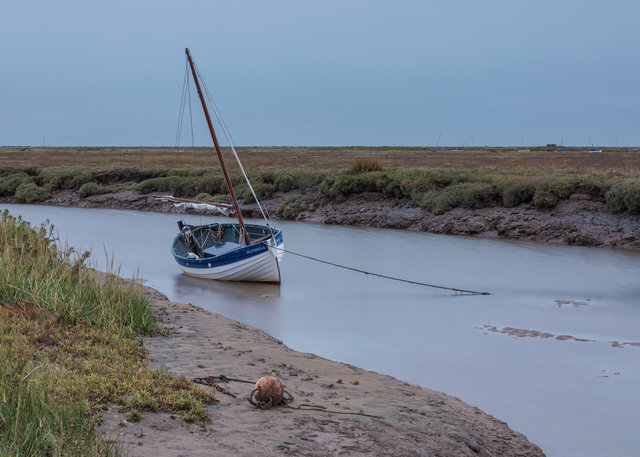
(389, 185)
(624, 197)
(29, 192)
(439, 202)
(176, 185)
(595, 186)
(564, 187)
(134, 416)
(119, 174)
(57, 177)
(291, 207)
(545, 199)
(549, 194)
(185, 186)
(615, 198)
(518, 191)
(88, 189)
(262, 190)
(9, 184)
(285, 182)
(338, 186)
(212, 183)
(445, 178)
(416, 185)
(466, 195)
(306, 180)
(478, 195)
(329, 188)
(218, 198)
(267, 177)
(632, 198)
(66, 177)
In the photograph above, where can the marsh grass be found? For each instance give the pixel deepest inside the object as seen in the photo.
(292, 206)
(323, 159)
(29, 192)
(68, 346)
(90, 188)
(430, 177)
(624, 196)
(364, 165)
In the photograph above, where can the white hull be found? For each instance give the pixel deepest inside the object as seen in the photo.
(260, 268)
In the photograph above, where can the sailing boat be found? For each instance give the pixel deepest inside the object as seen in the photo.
(227, 251)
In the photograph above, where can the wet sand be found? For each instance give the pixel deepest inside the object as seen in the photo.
(414, 421)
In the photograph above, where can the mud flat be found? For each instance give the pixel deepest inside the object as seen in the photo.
(414, 421)
(580, 221)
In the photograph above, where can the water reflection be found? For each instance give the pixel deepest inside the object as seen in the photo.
(203, 287)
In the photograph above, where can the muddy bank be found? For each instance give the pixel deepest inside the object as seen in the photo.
(578, 221)
(414, 421)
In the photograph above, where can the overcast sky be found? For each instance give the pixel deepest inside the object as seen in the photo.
(350, 72)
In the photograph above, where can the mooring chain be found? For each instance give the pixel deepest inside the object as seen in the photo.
(285, 400)
(211, 382)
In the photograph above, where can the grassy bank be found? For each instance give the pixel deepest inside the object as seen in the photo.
(68, 346)
(438, 179)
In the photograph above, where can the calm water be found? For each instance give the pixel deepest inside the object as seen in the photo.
(572, 398)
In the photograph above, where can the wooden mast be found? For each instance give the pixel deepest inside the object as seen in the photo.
(217, 146)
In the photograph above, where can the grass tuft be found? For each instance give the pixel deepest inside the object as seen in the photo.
(292, 206)
(9, 184)
(68, 346)
(29, 192)
(90, 188)
(365, 165)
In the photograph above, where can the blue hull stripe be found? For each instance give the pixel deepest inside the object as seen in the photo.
(230, 257)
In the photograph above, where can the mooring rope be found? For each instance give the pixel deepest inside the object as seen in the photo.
(358, 270)
(286, 400)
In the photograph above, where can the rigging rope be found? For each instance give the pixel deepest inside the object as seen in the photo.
(233, 149)
(182, 102)
(264, 215)
(183, 98)
(185, 102)
(454, 289)
(193, 143)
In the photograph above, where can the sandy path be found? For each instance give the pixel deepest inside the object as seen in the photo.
(415, 421)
